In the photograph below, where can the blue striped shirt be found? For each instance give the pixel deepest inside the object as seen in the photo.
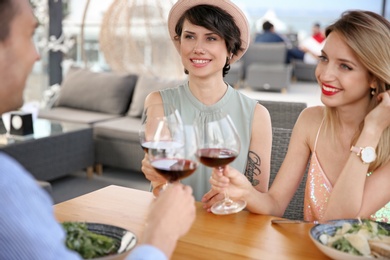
(28, 228)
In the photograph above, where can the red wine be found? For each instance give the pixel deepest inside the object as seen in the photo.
(215, 157)
(174, 169)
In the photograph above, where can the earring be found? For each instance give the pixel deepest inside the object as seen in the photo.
(373, 91)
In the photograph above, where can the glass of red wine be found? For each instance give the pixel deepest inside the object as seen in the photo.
(175, 159)
(218, 145)
(161, 126)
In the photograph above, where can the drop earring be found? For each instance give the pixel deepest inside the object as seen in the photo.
(373, 91)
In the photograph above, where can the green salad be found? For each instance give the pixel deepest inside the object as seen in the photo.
(87, 243)
(366, 238)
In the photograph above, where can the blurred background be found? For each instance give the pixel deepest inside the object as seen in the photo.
(131, 35)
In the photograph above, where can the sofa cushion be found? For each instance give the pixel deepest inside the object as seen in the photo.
(123, 128)
(105, 92)
(145, 85)
(75, 115)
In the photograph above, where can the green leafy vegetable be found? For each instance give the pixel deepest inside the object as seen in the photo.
(88, 244)
(343, 245)
(354, 238)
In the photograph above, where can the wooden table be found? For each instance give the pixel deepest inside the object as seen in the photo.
(237, 236)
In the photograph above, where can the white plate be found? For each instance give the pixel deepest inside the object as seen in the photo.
(126, 239)
(330, 229)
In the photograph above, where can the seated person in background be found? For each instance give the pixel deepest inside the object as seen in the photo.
(28, 228)
(317, 33)
(269, 35)
(346, 140)
(312, 45)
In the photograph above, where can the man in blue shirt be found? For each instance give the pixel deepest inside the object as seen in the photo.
(28, 228)
(269, 34)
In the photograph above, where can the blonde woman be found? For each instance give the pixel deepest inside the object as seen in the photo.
(347, 140)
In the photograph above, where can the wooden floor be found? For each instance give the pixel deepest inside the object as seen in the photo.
(77, 183)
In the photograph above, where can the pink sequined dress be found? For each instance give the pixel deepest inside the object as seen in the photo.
(318, 189)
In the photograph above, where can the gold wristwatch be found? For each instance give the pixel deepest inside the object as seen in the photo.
(366, 154)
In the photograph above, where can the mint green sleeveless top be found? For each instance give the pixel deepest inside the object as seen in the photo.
(241, 110)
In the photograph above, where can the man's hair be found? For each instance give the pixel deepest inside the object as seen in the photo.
(267, 26)
(8, 9)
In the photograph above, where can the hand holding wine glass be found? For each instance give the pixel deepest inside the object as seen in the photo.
(174, 159)
(218, 145)
(161, 123)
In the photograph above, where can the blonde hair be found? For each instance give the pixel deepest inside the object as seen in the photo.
(368, 35)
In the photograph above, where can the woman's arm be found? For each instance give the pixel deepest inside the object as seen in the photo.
(259, 154)
(287, 180)
(354, 194)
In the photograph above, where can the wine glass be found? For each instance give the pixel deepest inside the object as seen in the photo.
(161, 123)
(218, 145)
(174, 159)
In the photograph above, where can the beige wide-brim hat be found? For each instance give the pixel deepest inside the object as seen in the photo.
(181, 6)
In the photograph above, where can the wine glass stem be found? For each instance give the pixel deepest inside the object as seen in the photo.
(227, 199)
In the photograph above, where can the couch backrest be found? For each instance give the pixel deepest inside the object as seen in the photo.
(280, 142)
(266, 53)
(145, 85)
(105, 92)
(283, 114)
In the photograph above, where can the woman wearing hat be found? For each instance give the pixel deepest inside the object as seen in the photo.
(210, 36)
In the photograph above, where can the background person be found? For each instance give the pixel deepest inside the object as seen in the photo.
(347, 140)
(313, 45)
(209, 38)
(28, 228)
(269, 35)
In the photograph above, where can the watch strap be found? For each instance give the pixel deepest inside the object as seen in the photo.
(356, 150)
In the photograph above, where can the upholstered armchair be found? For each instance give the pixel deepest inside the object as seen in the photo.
(265, 67)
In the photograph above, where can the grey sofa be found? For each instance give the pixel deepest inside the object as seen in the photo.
(112, 104)
(88, 97)
(264, 67)
(303, 71)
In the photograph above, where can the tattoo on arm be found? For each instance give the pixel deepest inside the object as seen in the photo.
(253, 168)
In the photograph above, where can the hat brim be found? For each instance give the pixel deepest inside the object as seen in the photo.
(182, 6)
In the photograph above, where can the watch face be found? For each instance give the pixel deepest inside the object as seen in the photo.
(368, 155)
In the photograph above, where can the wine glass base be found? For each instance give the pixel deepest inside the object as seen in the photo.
(228, 207)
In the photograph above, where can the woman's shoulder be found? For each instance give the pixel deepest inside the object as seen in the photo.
(310, 118)
(153, 97)
(261, 110)
(313, 112)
